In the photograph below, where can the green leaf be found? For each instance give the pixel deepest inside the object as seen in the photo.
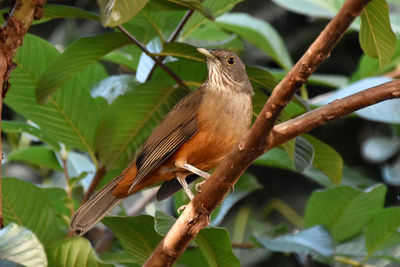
(163, 222)
(22, 127)
(150, 23)
(216, 7)
(118, 257)
(383, 231)
(355, 248)
(314, 241)
(368, 66)
(195, 5)
(36, 155)
(261, 77)
(259, 33)
(377, 38)
(216, 247)
(136, 234)
(316, 8)
(73, 252)
(275, 157)
(116, 12)
(246, 185)
(19, 245)
(182, 50)
(71, 116)
(127, 56)
(211, 36)
(54, 11)
(76, 57)
(303, 154)
(32, 211)
(326, 159)
(193, 258)
(193, 73)
(130, 119)
(59, 200)
(343, 210)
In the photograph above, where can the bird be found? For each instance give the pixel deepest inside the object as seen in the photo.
(193, 138)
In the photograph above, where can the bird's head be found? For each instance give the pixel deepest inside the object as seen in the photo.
(226, 71)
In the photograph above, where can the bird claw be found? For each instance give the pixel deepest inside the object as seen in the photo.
(198, 186)
(181, 208)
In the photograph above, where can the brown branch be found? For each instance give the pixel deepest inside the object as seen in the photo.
(95, 182)
(172, 38)
(12, 33)
(285, 131)
(155, 58)
(253, 144)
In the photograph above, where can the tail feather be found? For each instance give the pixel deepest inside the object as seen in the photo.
(95, 208)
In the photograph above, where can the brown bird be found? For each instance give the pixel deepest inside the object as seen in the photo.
(193, 138)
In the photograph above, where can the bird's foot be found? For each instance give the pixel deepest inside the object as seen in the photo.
(199, 185)
(181, 208)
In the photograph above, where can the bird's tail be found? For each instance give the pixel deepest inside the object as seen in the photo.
(96, 208)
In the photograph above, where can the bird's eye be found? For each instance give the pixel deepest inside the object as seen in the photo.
(230, 61)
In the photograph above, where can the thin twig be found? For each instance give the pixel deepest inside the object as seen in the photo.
(155, 58)
(172, 38)
(68, 187)
(180, 26)
(95, 182)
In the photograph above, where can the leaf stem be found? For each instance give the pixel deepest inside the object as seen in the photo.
(64, 159)
(351, 262)
(172, 38)
(95, 182)
(285, 210)
(180, 26)
(155, 58)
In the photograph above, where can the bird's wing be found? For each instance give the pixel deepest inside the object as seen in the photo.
(178, 126)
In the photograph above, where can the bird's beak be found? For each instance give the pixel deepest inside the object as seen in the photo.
(206, 53)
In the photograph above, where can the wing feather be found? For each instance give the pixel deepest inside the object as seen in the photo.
(178, 126)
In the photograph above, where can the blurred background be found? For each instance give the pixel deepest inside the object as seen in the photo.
(370, 149)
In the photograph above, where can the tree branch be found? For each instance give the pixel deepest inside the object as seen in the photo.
(287, 130)
(155, 58)
(12, 33)
(253, 144)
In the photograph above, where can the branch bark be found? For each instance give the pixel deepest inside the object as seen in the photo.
(254, 143)
(12, 33)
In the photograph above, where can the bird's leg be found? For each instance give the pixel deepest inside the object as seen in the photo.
(181, 177)
(193, 169)
(182, 180)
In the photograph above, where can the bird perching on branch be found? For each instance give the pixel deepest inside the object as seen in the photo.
(193, 138)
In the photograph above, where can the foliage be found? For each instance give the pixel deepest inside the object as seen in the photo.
(77, 114)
